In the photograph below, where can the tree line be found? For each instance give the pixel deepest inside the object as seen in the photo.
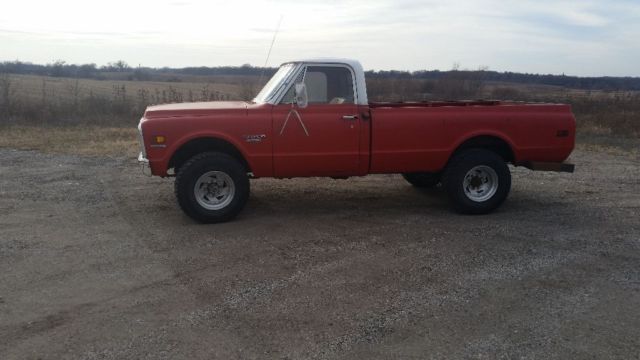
(61, 68)
(92, 71)
(606, 83)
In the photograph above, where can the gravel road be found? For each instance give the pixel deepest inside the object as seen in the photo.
(98, 262)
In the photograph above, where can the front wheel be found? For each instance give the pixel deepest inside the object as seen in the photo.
(477, 181)
(212, 187)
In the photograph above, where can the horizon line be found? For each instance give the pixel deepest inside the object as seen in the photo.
(98, 66)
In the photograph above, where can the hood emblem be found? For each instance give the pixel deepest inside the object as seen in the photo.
(255, 138)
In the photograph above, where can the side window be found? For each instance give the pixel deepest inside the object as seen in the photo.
(325, 85)
(329, 85)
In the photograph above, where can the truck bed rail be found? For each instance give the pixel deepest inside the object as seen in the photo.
(437, 103)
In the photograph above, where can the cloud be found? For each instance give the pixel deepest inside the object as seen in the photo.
(582, 18)
(574, 37)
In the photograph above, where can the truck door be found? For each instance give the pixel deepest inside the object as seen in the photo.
(323, 138)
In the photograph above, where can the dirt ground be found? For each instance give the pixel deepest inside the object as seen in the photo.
(98, 262)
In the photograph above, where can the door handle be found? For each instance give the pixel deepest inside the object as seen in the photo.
(349, 117)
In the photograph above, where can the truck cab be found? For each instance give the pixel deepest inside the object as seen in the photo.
(320, 128)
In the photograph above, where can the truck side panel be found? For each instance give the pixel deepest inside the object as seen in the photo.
(543, 132)
(407, 140)
(415, 139)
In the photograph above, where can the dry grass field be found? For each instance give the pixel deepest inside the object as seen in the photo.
(44, 100)
(79, 140)
(32, 88)
(98, 117)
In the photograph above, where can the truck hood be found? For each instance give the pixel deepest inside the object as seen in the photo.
(195, 109)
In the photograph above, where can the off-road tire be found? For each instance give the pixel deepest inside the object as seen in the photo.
(192, 171)
(423, 179)
(461, 166)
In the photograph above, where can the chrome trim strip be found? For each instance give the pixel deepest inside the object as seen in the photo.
(143, 151)
(142, 159)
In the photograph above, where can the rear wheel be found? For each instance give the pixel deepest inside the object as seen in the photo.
(212, 187)
(422, 179)
(477, 181)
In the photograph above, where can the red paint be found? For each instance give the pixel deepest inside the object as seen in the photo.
(396, 138)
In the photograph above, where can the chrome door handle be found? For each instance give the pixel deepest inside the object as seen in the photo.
(349, 117)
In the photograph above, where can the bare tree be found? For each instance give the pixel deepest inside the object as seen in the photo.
(119, 66)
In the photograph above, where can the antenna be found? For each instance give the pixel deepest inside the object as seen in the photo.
(270, 48)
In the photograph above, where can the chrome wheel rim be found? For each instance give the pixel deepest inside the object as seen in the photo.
(214, 190)
(480, 183)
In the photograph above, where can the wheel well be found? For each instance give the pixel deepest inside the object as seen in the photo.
(197, 146)
(492, 143)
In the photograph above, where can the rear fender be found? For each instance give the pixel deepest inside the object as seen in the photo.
(462, 142)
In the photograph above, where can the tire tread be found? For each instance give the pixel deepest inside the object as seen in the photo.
(458, 167)
(212, 216)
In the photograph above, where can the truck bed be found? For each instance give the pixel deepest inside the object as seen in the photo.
(421, 136)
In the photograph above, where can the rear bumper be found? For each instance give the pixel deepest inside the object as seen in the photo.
(549, 166)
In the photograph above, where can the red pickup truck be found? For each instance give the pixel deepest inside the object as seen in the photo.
(313, 119)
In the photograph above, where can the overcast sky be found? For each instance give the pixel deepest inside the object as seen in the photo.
(585, 37)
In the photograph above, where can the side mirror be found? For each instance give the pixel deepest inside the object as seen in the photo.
(302, 100)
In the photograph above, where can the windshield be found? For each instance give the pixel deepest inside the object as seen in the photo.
(274, 84)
